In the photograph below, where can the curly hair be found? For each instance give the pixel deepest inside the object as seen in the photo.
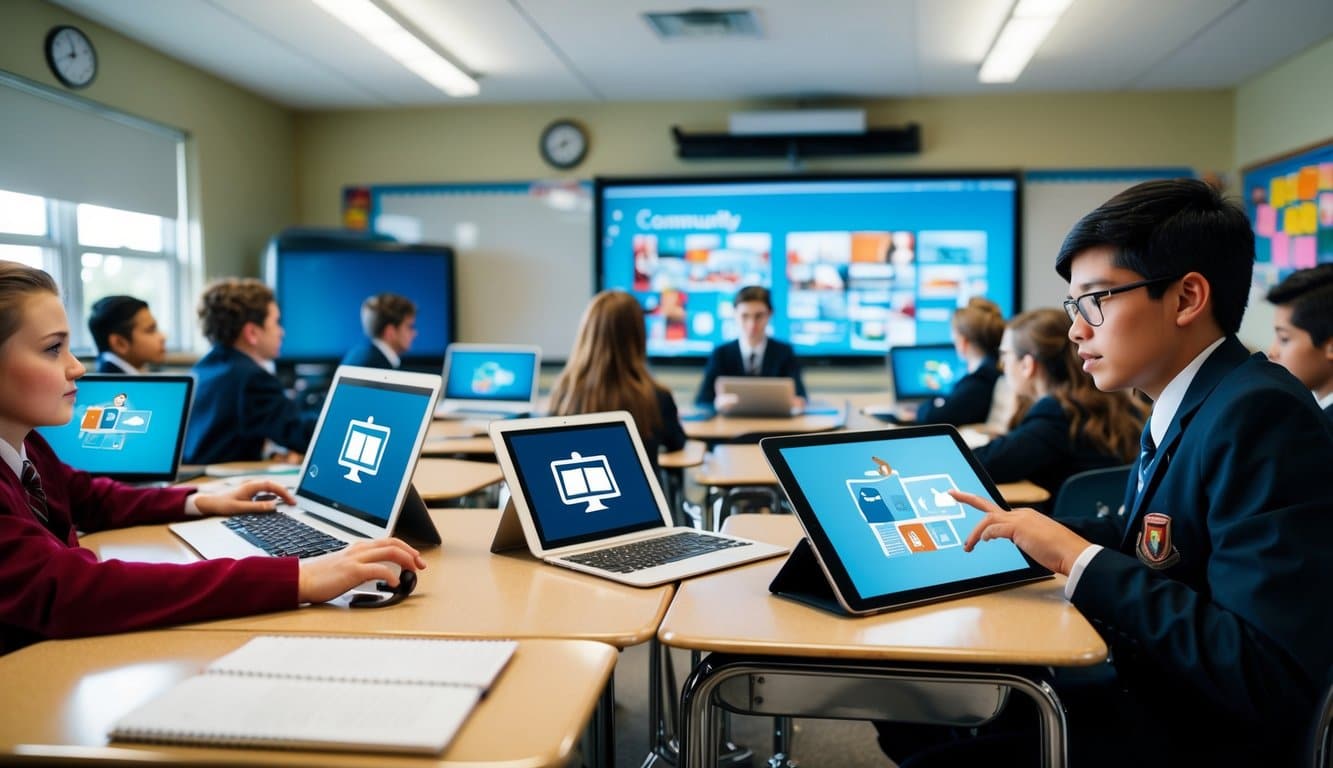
(383, 310)
(228, 304)
(17, 283)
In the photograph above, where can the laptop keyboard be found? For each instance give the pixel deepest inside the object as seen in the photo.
(650, 553)
(282, 536)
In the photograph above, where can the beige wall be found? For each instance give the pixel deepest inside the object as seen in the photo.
(241, 145)
(1286, 108)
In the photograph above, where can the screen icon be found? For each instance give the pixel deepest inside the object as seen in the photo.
(363, 448)
(580, 479)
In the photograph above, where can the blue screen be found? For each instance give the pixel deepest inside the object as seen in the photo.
(901, 531)
(854, 265)
(490, 375)
(922, 372)
(365, 445)
(601, 492)
(136, 436)
(320, 292)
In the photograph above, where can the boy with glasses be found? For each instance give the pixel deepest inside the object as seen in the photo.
(1211, 592)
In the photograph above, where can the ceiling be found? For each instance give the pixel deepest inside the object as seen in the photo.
(295, 54)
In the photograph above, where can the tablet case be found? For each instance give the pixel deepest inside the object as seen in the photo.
(414, 524)
(801, 579)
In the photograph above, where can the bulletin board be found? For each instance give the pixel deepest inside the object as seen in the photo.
(1290, 202)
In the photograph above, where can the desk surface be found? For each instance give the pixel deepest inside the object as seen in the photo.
(449, 437)
(448, 479)
(73, 690)
(735, 465)
(465, 591)
(730, 427)
(692, 455)
(733, 611)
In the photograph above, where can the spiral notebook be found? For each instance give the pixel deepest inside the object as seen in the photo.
(325, 693)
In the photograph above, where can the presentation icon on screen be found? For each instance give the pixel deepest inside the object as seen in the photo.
(106, 426)
(580, 480)
(363, 448)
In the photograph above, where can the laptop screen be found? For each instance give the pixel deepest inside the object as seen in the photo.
(125, 427)
(364, 447)
(924, 372)
(582, 483)
(484, 375)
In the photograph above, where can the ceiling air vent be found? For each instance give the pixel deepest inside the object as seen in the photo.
(700, 23)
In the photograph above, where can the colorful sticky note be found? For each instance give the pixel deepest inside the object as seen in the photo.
(1279, 247)
(1265, 219)
(1309, 218)
(1326, 210)
(1326, 175)
(1302, 252)
(1277, 192)
(1307, 182)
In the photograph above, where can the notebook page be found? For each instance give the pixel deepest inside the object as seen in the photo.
(371, 659)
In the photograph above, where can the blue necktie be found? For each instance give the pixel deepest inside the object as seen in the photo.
(1147, 449)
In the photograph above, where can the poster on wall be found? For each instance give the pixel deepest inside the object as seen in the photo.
(1290, 204)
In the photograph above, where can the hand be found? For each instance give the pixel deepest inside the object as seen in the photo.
(1042, 538)
(239, 501)
(725, 400)
(325, 577)
(798, 403)
(906, 411)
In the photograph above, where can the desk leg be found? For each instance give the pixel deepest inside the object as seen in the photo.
(599, 741)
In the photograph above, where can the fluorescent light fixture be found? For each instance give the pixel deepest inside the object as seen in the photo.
(390, 35)
(1028, 24)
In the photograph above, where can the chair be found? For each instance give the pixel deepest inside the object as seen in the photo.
(1321, 754)
(1095, 493)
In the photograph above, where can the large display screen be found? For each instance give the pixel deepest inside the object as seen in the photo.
(856, 264)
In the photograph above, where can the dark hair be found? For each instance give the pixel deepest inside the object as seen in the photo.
(1309, 293)
(1169, 228)
(228, 304)
(17, 282)
(383, 310)
(754, 293)
(113, 314)
(982, 323)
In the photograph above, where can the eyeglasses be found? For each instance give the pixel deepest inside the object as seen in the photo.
(1089, 305)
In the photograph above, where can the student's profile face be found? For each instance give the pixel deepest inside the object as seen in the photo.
(1134, 345)
(752, 316)
(1294, 350)
(147, 343)
(403, 334)
(37, 369)
(269, 342)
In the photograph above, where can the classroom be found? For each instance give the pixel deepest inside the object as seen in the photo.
(197, 141)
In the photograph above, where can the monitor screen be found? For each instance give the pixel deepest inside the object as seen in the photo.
(481, 375)
(925, 371)
(855, 264)
(320, 285)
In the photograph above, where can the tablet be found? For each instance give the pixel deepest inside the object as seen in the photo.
(880, 522)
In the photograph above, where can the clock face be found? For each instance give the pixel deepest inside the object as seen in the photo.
(71, 57)
(564, 144)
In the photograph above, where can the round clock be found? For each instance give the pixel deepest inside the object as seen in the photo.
(564, 144)
(71, 56)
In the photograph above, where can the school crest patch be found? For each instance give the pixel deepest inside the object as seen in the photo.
(1155, 548)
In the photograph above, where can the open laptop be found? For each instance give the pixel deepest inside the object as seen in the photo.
(924, 372)
(355, 482)
(584, 496)
(761, 396)
(130, 428)
(492, 380)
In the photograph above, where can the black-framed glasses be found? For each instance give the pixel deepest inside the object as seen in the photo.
(1089, 305)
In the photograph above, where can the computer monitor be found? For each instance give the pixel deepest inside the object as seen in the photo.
(925, 371)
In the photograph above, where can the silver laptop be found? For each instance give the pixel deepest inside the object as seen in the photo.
(585, 497)
(759, 395)
(356, 481)
(489, 380)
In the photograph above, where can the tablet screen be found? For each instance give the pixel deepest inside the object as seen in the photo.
(877, 511)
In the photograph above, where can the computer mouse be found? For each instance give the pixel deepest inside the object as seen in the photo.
(407, 581)
(266, 496)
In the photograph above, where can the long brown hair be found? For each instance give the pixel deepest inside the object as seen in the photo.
(17, 283)
(607, 368)
(1111, 421)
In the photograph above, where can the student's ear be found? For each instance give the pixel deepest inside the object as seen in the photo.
(1193, 300)
(250, 334)
(1027, 365)
(120, 345)
(1327, 347)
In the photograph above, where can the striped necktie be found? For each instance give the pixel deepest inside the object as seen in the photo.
(752, 367)
(1147, 450)
(36, 496)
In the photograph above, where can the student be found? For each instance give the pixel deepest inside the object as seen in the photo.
(977, 329)
(51, 587)
(1064, 424)
(390, 323)
(1211, 594)
(238, 403)
(126, 335)
(607, 370)
(752, 354)
(1303, 330)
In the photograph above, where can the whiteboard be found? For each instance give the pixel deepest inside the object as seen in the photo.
(1053, 202)
(524, 261)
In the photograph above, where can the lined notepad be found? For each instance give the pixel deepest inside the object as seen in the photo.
(368, 694)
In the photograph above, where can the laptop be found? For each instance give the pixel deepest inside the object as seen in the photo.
(881, 530)
(130, 428)
(489, 380)
(761, 396)
(924, 372)
(584, 496)
(355, 483)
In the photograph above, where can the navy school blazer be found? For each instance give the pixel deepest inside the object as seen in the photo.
(366, 355)
(779, 360)
(237, 405)
(968, 403)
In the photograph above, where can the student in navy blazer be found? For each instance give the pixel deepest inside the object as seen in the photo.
(238, 402)
(1303, 330)
(977, 329)
(1212, 592)
(390, 323)
(126, 335)
(754, 353)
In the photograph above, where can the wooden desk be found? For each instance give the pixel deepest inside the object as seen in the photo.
(446, 480)
(450, 437)
(721, 428)
(965, 653)
(73, 690)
